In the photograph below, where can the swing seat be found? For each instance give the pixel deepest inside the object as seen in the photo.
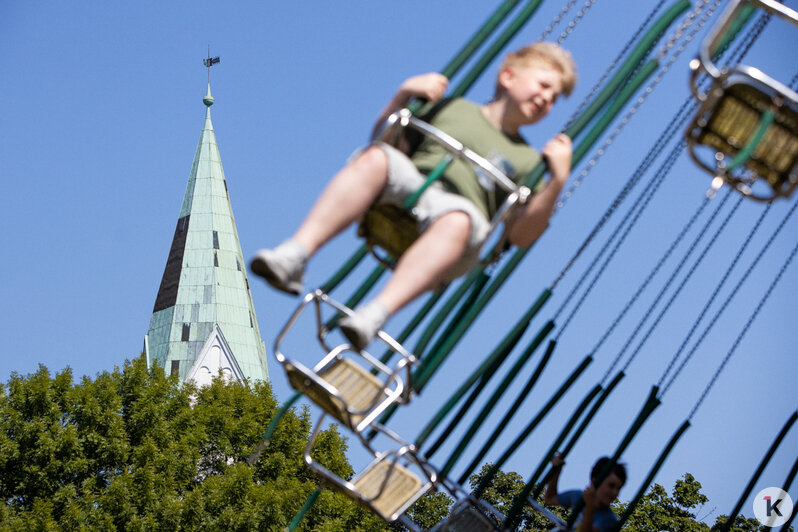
(729, 121)
(352, 386)
(345, 390)
(388, 486)
(389, 228)
(748, 121)
(467, 517)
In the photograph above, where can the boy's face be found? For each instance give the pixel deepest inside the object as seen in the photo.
(530, 91)
(609, 490)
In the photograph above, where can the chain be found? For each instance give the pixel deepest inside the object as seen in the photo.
(641, 99)
(747, 326)
(553, 24)
(735, 291)
(615, 61)
(571, 25)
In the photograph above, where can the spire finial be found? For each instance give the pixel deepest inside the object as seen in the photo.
(209, 62)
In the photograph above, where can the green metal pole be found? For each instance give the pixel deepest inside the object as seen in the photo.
(630, 65)
(477, 276)
(494, 49)
(784, 430)
(512, 373)
(499, 353)
(308, 503)
(650, 405)
(556, 445)
(267, 436)
(345, 270)
(748, 150)
(644, 486)
(486, 480)
(505, 421)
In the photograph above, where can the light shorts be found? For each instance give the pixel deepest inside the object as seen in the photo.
(404, 179)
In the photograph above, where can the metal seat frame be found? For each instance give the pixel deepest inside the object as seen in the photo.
(778, 95)
(400, 460)
(334, 399)
(517, 195)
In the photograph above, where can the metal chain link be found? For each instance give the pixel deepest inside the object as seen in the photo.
(554, 23)
(744, 330)
(714, 294)
(725, 304)
(579, 16)
(612, 66)
(669, 283)
(641, 99)
(637, 209)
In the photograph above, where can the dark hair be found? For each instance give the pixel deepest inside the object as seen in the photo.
(618, 469)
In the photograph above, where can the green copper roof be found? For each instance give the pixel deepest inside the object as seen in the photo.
(205, 283)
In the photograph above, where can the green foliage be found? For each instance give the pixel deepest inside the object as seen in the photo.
(659, 511)
(501, 492)
(135, 450)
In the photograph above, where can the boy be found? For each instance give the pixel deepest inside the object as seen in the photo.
(453, 215)
(597, 515)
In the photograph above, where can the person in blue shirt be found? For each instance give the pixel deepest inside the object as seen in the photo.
(597, 515)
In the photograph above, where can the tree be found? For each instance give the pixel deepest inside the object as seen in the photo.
(135, 450)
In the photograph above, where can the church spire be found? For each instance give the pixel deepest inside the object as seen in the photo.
(204, 320)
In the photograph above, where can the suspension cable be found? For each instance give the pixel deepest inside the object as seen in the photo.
(745, 329)
(725, 304)
(676, 241)
(574, 21)
(647, 91)
(553, 24)
(629, 222)
(614, 63)
(676, 292)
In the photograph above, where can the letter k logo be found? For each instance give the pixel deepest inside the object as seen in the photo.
(773, 507)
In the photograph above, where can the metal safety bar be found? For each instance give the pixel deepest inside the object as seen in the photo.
(517, 194)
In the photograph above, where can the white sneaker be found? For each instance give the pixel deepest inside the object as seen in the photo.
(363, 327)
(281, 267)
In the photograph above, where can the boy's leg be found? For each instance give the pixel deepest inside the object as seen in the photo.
(426, 263)
(348, 195)
(422, 267)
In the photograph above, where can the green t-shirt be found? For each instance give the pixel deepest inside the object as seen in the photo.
(464, 121)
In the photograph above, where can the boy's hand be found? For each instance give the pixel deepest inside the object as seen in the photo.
(557, 460)
(557, 153)
(590, 497)
(430, 86)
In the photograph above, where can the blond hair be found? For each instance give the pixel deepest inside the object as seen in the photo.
(549, 53)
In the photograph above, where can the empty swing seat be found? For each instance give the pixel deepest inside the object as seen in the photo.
(466, 516)
(388, 486)
(748, 121)
(352, 386)
(729, 122)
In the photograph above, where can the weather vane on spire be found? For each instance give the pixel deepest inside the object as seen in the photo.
(209, 62)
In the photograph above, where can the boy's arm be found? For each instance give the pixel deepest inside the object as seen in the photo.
(530, 222)
(591, 502)
(430, 87)
(550, 497)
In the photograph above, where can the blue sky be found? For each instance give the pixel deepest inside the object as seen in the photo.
(102, 112)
